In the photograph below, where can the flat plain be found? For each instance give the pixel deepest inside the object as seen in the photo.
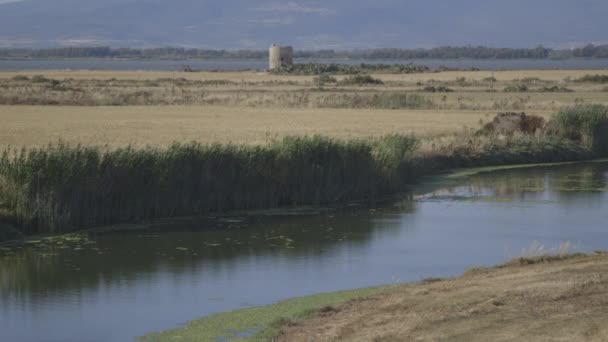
(118, 108)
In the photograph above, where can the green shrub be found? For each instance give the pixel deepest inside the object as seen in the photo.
(344, 69)
(587, 124)
(593, 79)
(516, 88)
(381, 100)
(324, 79)
(556, 89)
(21, 78)
(437, 89)
(42, 79)
(361, 80)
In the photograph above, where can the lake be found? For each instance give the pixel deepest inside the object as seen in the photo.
(115, 286)
(172, 65)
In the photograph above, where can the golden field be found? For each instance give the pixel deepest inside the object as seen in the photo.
(161, 125)
(118, 108)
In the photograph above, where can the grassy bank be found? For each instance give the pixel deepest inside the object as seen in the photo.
(255, 322)
(529, 299)
(515, 289)
(61, 188)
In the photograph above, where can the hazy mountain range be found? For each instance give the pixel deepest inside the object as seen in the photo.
(306, 24)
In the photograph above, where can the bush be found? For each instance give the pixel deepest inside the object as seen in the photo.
(556, 89)
(42, 79)
(437, 89)
(344, 69)
(516, 88)
(361, 80)
(587, 124)
(21, 78)
(324, 79)
(382, 100)
(593, 79)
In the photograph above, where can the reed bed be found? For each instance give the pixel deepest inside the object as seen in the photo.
(61, 188)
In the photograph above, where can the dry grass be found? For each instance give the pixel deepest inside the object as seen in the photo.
(559, 299)
(157, 108)
(161, 125)
(250, 76)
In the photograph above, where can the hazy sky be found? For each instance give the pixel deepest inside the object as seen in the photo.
(306, 24)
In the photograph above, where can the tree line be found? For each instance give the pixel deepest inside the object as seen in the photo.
(473, 52)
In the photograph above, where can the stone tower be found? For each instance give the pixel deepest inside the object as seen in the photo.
(280, 56)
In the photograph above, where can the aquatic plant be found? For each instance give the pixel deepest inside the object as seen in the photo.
(585, 123)
(61, 187)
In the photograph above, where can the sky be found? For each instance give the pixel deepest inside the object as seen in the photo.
(305, 24)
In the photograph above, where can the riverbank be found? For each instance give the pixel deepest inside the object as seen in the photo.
(62, 188)
(537, 299)
(530, 298)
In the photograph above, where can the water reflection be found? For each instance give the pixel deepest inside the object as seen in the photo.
(111, 287)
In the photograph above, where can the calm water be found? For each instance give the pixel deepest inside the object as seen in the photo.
(74, 64)
(113, 287)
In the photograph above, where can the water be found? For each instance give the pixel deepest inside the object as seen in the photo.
(113, 287)
(170, 65)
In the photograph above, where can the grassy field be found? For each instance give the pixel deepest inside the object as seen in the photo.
(117, 108)
(551, 75)
(162, 125)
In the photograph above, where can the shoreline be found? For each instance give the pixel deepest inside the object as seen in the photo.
(300, 318)
(424, 185)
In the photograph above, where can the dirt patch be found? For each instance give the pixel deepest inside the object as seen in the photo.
(510, 123)
(558, 299)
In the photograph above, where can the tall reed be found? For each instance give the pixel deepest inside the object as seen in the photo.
(61, 187)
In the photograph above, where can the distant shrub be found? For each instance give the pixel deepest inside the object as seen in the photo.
(490, 79)
(593, 79)
(21, 78)
(587, 124)
(324, 79)
(381, 100)
(516, 88)
(556, 89)
(344, 69)
(361, 80)
(42, 79)
(437, 89)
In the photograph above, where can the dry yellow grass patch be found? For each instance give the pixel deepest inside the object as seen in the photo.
(162, 125)
(253, 76)
(236, 76)
(557, 301)
(508, 75)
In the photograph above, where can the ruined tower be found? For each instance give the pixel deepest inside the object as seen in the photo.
(280, 56)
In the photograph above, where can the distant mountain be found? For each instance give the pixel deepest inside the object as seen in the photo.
(306, 24)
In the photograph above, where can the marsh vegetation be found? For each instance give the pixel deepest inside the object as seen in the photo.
(63, 187)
